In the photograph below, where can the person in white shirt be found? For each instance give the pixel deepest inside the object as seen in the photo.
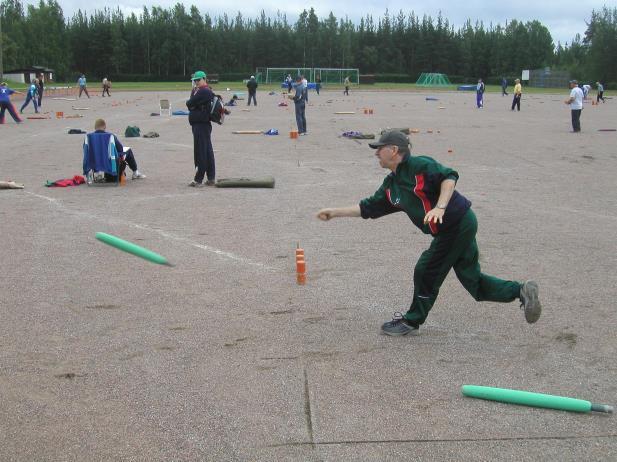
(586, 89)
(575, 101)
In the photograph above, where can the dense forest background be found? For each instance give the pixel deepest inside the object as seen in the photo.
(169, 44)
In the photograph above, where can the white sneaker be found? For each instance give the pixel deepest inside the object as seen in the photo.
(137, 175)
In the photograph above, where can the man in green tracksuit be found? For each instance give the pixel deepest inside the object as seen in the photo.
(424, 189)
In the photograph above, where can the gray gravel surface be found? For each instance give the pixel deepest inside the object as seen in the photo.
(104, 356)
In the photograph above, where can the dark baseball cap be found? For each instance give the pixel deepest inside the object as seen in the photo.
(392, 138)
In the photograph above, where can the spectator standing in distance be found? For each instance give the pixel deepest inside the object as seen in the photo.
(600, 95)
(575, 101)
(480, 94)
(318, 84)
(251, 85)
(518, 92)
(346, 82)
(199, 105)
(106, 87)
(83, 86)
(504, 85)
(41, 88)
(300, 106)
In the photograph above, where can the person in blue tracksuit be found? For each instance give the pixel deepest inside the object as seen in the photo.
(480, 93)
(5, 103)
(101, 142)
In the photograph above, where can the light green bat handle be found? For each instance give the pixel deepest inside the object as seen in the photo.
(527, 398)
(132, 248)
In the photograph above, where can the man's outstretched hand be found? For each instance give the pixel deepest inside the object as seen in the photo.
(325, 214)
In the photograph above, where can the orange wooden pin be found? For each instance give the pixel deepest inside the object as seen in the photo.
(301, 271)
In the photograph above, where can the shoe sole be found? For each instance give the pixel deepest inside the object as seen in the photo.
(533, 308)
(397, 334)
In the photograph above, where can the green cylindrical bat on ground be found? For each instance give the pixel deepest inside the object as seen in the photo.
(527, 398)
(265, 182)
(132, 248)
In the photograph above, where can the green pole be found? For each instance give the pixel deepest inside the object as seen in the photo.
(132, 248)
(527, 398)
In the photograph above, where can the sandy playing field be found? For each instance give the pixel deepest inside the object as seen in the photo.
(104, 356)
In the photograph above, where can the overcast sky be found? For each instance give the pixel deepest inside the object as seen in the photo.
(563, 18)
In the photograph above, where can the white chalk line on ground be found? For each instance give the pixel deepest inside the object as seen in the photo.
(166, 196)
(164, 234)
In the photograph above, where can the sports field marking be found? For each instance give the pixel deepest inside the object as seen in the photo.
(164, 234)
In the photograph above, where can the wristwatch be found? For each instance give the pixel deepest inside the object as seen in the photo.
(442, 206)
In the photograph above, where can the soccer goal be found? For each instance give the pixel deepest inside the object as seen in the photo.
(278, 74)
(429, 79)
(335, 75)
(327, 75)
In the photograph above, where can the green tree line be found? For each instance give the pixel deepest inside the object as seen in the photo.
(170, 43)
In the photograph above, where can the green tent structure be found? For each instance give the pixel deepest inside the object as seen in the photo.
(429, 79)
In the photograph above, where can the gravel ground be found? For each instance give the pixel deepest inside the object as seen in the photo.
(105, 356)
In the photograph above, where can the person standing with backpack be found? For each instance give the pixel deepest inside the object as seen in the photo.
(251, 85)
(199, 105)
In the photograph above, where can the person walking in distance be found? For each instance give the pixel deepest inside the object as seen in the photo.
(518, 92)
(575, 101)
(600, 95)
(41, 88)
(300, 106)
(425, 190)
(346, 82)
(504, 85)
(251, 85)
(106, 87)
(199, 105)
(480, 94)
(83, 86)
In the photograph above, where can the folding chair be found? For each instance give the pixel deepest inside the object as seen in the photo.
(164, 105)
(102, 163)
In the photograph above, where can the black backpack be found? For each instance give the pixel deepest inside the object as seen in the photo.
(217, 110)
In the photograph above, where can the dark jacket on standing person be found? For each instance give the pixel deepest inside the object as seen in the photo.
(252, 86)
(199, 105)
